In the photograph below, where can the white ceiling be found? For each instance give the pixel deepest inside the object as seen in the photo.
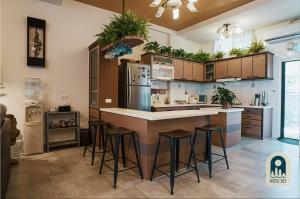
(258, 14)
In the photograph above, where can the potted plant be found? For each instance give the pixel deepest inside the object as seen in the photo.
(179, 53)
(256, 47)
(189, 56)
(127, 24)
(152, 47)
(166, 50)
(224, 96)
(236, 52)
(202, 57)
(218, 55)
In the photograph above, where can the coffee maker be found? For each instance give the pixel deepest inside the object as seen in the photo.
(264, 99)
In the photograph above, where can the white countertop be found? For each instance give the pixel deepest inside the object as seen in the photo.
(159, 115)
(220, 110)
(216, 105)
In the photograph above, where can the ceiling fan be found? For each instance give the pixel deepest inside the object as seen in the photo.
(174, 5)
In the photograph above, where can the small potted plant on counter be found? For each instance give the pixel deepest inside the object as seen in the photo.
(224, 97)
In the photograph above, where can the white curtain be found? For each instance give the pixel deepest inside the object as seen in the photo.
(242, 40)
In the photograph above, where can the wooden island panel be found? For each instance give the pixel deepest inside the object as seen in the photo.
(232, 128)
(147, 138)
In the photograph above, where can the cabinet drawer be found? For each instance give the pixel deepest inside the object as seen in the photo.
(249, 116)
(253, 110)
(251, 122)
(251, 130)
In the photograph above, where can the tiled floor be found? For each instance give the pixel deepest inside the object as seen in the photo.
(66, 174)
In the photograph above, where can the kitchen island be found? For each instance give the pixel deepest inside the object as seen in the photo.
(147, 125)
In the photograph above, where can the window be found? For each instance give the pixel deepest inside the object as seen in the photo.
(235, 41)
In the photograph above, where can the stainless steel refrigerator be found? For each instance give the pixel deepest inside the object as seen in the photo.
(134, 86)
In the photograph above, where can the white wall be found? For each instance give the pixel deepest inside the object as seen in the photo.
(70, 30)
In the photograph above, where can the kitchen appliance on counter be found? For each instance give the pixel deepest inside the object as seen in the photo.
(257, 99)
(202, 99)
(264, 99)
(33, 114)
(134, 86)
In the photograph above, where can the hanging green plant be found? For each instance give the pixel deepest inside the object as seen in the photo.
(152, 47)
(166, 50)
(218, 55)
(256, 47)
(127, 24)
(202, 57)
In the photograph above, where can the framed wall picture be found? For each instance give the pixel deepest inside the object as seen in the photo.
(36, 42)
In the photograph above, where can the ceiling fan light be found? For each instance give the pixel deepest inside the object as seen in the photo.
(155, 3)
(175, 13)
(191, 7)
(159, 11)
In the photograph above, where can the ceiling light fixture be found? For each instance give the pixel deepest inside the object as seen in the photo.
(174, 5)
(227, 30)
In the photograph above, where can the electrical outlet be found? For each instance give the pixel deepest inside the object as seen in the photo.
(108, 101)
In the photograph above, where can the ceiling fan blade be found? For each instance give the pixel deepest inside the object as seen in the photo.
(191, 7)
(159, 11)
(155, 3)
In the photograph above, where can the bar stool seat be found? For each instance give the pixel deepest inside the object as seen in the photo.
(119, 133)
(93, 132)
(208, 129)
(174, 138)
(175, 134)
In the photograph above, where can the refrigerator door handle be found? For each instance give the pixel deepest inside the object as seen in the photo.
(129, 75)
(129, 84)
(129, 94)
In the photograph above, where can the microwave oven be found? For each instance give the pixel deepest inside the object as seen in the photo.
(162, 72)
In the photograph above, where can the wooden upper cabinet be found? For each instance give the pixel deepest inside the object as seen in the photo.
(221, 69)
(178, 68)
(247, 67)
(235, 67)
(188, 70)
(197, 71)
(259, 66)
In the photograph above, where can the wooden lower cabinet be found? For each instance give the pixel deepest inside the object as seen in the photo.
(257, 122)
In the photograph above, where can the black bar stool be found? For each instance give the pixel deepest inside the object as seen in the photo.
(118, 134)
(208, 129)
(174, 140)
(96, 129)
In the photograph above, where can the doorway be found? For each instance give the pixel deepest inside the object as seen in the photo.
(290, 109)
